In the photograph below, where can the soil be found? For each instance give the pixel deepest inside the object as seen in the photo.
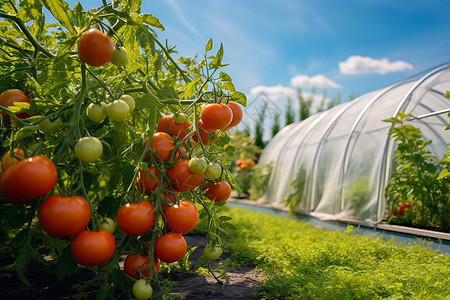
(238, 284)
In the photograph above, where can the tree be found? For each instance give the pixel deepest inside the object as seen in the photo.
(290, 114)
(259, 127)
(276, 124)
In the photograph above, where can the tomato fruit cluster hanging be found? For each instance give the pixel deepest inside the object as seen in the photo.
(104, 125)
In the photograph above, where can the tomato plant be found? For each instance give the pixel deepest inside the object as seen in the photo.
(218, 192)
(181, 217)
(146, 184)
(182, 178)
(170, 247)
(134, 260)
(8, 160)
(120, 57)
(238, 114)
(88, 149)
(212, 252)
(136, 218)
(9, 97)
(85, 109)
(117, 110)
(142, 290)
(92, 248)
(28, 179)
(216, 115)
(63, 216)
(95, 48)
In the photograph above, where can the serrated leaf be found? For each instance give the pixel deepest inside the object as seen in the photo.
(61, 12)
(240, 98)
(229, 86)
(148, 101)
(146, 40)
(24, 132)
(209, 45)
(64, 47)
(152, 21)
(19, 107)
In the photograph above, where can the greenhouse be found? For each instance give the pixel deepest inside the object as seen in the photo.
(337, 163)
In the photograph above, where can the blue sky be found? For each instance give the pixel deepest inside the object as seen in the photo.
(350, 47)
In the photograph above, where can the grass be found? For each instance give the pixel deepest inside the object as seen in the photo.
(303, 262)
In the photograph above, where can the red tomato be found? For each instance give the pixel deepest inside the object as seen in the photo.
(170, 247)
(136, 218)
(204, 133)
(218, 192)
(238, 162)
(64, 216)
(92, 248)
(403, 205)
(134, 260)
(8, 160)
(168, 125)
(8, 97)
(181, 217)
(162, 144)
(238, 113)
(95, 48)
(216, 115)
(144, 183)
(28, 179)
(167, 198)
(182, 178)
(181, 152)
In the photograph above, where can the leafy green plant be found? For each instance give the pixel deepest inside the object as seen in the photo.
(259, 180)
(415, 180)
(296, 188)
(306, 262)
(74, 93)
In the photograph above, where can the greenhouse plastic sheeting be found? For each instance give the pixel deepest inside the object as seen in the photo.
(336, 164)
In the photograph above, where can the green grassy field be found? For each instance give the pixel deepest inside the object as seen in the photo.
(302, 262)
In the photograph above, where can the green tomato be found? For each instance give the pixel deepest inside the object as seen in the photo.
(213, 171)
(120, 57)
(129, 100)
(212, 252)
(49, 127)
(197, 165)
(96, 112)
(142, 290)
(179, 118)
(88, 149)
(117, 110)
(108, 225)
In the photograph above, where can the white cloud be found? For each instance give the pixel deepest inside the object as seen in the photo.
(358, 64)
(278, 92)
(317, 81)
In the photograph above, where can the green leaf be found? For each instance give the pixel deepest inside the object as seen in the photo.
(24, 132)
(229, 86)
(67, 265)
(62, 13)
(64, 47)
(146, 40)
(239, 98)
(444, 173)
(148, 101)
(209, 45)
(22, 261)
(447, 94)
(152, 21)
(19, 107)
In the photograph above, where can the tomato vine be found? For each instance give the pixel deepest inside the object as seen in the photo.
(43, 61)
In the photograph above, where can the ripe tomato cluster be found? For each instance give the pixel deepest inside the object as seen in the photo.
(245, 164)
(401, 208)
(80, 159)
